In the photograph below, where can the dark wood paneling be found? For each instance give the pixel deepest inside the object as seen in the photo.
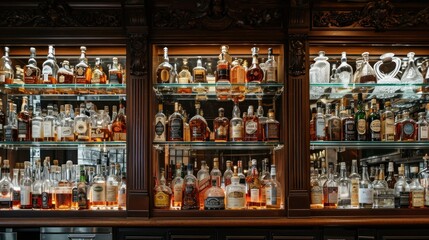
(294, 238)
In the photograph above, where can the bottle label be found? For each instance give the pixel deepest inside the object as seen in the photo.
(254, 195)
(335, 130)
(423, 132)
(74, 195)
(251, 127)
(320, 127)
(61, 78)
(332, 195)
(37, 200)
(366, 195)
(118, 136)
(177, 194)
(113, 78)
(111, 193)
(237, 131)
(183, 80)
(199, 76)
(36, 129)
(390, 126)
(270, 74)
(64, 132)
(197, 132)
(417, 198)
(189, 197)
(47, 129)
(46, 200)
(350, 130)
(25, 195)
(236, 199)
(5, 191)
(408, 128)
(22, 129)
(8, 134)
(375, 126)
(82, 198)
(97, 133)
(16, 196)
(404, 199)
(80, 75)
(214, 203)
(222, 73)
(98, 192)
(361, 128)
(221, 132)
(272, 131)
(159, 127)
(96, 77)
(2, 78)
(5, 203)
(354, 196)
(47, 70)
(122, 198)
(165, 75)
(316, 195)
(176, 128)
(162, 200)
(271, 196)
(81, 127)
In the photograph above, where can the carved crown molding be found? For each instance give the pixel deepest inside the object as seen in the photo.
(217, 15)
(58, 13)
(380, 15)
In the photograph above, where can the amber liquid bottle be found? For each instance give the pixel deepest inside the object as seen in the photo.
(175, 125)
(24, 121)
(198, 126)
(119, 125)
(83, 73)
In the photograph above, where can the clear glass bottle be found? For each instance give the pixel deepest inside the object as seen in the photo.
(322, 64)
(184, 77)
(47, 187)
(320, 125)
(83, 72)
(122, 194)
(227, 175)
(408, 132)
(119, 124)
(63, 192)
(366, 190)
(198, 125)
(251, 126)
(31, 71)
(162, 193)
(223, 84)
(238, 81)
(387, 123)
(6, 187)
(26, 184)
(112, 188)
(115, 72)
(190, 191)
(271, 68)
(411, 73)
(215, 173)
(175, 125)
(16, 196)
(50, 68)
(203, 177)
(98, 75)
(422, 127)
(82, 125)
(273, 191)
(334, 126)
(199, 74)
(344, 185)
(262, 121)
(416, 189)
(37, 125)
(177, 185)
(65, 130)
(316, 191)
(214, 198)
(254, 187)
(6, 70)
(221, 127)
(354, 185)
(98, 189)
(49, 123)
(367, 73)
(254, 75)
(65, 73)
(235, 192)
(236, 125)
(402, 189)
(344, 71)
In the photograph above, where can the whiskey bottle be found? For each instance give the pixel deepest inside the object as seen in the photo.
(31, 71)
(214, 198)
(198, 126)
(115, 72)
(163, 71)
(175, 125)
(254, 74)
(236, 124)
(416, 190)
(119, 125)
(264, 179)
(16, 195)
(391, 180)
(354, 185)
(330, 190)
(190, 200)
(262, 121)
(402, 189)
(215, 173)
(26, 184)
(422, 128)
(36, 188)
(65, 130)
(221, 127)
(82, 125)
(98, 189)
(316, 191)
(366, 190)
(50, 68)
(254, 187)
(37, 125)
(49, 123)
(360, 120)
(83, 72)
(273, 191)
(98, 75)
(6, 70)
(203, 177)
(200, 77)
(349, 127)
(6, 187)
(238, 81)
(334, 127)
(240, 174)
(65, 74)
(374, 123)
(160, 127)
(47, 187)
(162, 193)
(408, 132)
(184, 78)
(320, 125)
(271, 68)
(2, 122)
(251, 126)
(235, 193)
(344, 191)
(387, 123)
(24, 121)
(112, 188)
(82, 190)
(227, 175)
(223, 84)
(177, 185)
(11, 129)
(122, 194)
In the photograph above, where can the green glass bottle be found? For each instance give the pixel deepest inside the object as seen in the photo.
(360, 120)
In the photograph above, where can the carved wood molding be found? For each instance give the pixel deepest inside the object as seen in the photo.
(58, 13)
(217, 15)
(380, 15)
(297, 55)
(138, 54)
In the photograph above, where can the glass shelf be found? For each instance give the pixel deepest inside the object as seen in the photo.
(208, 145)
(272, 90)
(62, 145)
(63, 89)
(366, 85)
(368, 145)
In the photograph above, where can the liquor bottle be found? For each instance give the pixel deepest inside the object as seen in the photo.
(367, 73)
(223, 65)
(262, 120)
(236, 124)
(313, 124)
(366, 191)
(320, 125)
(82, 190)
(227, 175)
(200, 77)
(203, 178)
(37, 125)
(47, 187)
(65, 74)
(381, 183)
(215, 173)
(214, 198)
(271, 68)
(82, 125)
(344, 185)
(402, 190)
(6, 187)
(322, 64)
(24, 121)
(175, 125)
(6, 70)
(83, 72)
(354, 185)
(330, 190)
(344, 71)
(422, 128)
(316, 191)
(264, 179)
(184, 78)
(162, 193)
(254, 75)
(16, 195)
(26, 184)
(115, 72)
(273, 191)
(254, 187)
(235, 193)
(408, 132)
(349, 125)
(223, 84)
(177, 185)
(334, 127)
(238, 81)
(98, 189)
(112, 187)
(122, 193)
(63, 191)
(411, 75)
(119, 125)
(360, 120)
(211, 77)
(221, 127)
(374, 124)
(251, 126)
(31, 71)
(163, 71)
(391, 180)
(50, 68)
(240, 174)
(65, 129)
(98, 75)
(387, 123)
(190, 200)
(398, 126)
(416, 190)
(49, 123)
(160, 127)
(198, 125)
(36, 188)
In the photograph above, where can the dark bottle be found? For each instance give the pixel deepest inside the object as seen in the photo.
(175, 125)
(374, 123)
(190, 196)
(349, 126)
(24, 121)
(360, 120)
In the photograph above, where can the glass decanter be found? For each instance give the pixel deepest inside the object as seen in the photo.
(345, 71)
(386, 70)
(315, 92)
(411, 76)
(367, 74)
(324, 67)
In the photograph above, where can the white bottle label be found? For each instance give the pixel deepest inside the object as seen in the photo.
(80, 127)
(2, 78)
(237, 131)
(390, 126)
(251, 127)
(320, 127)
(177, 194)
(236, 200)
(36, 130)
(361, 127)
(254, 195)
(423, 131)
(366, 195)
(47, 129)
(61, 79)
(111, 193)
(25, 195)
(98, 192)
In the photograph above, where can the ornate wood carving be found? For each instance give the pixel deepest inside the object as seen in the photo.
(138, 46)
(296, 56)
(58, 13)
(380, 15)
(216, 15)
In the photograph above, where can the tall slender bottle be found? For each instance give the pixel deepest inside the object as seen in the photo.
(31, 71)
(366, 190)
(251, 126)
(6, 70)
(236, 125)
(49, 125)
(203, 177)
(221, 127)
(330, 190)
(177, 185)
(273, 191)
(50, 68)
(190, 191)
(6, 187)
(112, 188)
(320, 125)
(354, 185)
(254, 75)
(254, 187)
(26, 184)
(402, 189)
(160, 125)
(374, 123)
(163, 71)
(37, 125)
(175, 125)
(16, 196)
(98, 189)
(316, 191)
(82, 190)
(24, 121)
(345, 71)
(387, 123)
(360, 120)
(119, 125)
(47, 187)
(199, 74)
(344, 191)
(416, 190)
(82, 125)
(238, 80)
(215, 173)
(422, 128)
